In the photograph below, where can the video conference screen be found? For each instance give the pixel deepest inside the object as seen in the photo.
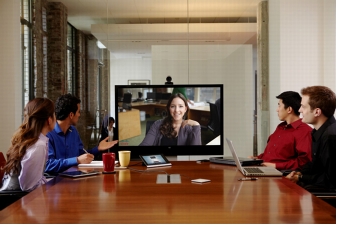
(149, 104)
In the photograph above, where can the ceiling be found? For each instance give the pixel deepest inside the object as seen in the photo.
(128, 28)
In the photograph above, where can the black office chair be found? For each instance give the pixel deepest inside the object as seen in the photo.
(2, 164)
(8, 197)
(328, 194)
(126, 104)
(214, 121)
(140, 95)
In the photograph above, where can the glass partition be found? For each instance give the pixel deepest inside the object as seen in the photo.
(194, 42)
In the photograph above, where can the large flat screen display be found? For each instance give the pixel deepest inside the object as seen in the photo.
(151, 107)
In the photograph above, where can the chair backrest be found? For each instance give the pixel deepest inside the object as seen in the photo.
(214, 121)
(2, 164)
(332, 163)
(126, 104)
(127, 98)
(7, 197)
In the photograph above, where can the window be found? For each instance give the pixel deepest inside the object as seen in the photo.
(27, 50)
(44, 52)
(70, 59)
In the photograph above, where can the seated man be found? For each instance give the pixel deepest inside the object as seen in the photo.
(289, 147)
(318, 106)
(65, 145)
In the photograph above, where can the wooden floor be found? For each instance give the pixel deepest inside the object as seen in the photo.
(133, 196)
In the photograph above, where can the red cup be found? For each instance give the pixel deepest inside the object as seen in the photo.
(108, 162)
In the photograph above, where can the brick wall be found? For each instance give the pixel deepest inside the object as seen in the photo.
(105, 86)
(87, 69)
(57, 49)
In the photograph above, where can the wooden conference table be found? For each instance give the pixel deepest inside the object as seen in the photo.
(134, 197)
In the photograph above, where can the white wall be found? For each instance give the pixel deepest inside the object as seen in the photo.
(10, 64)
(230, 65)
(122, 70)
(302, 47)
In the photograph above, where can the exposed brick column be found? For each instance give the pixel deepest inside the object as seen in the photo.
(92, 75)
(105, 82)
(92, 79)
(57, 49)
(263, 112)
(38, 33)
(85, 121)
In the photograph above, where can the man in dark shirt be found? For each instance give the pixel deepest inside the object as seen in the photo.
(318, 106)
(289, 147)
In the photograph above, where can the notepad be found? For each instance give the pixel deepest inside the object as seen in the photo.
(94, 164)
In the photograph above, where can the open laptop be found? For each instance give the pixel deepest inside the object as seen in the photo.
(229, 160)
(262, 171)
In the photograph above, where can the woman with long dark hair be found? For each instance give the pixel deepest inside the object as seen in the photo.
(27, 155)
(175, 128)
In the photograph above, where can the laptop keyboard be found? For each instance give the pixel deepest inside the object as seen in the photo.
(253, 170)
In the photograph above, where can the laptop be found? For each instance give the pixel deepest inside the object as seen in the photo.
(229, 160)
(262, 171)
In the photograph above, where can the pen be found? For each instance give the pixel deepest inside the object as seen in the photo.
(248, 178)
(85, 151)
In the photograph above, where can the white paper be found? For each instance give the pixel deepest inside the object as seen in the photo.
(200, 180)
(94, 164)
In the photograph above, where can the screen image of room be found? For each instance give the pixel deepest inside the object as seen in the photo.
(148, 104)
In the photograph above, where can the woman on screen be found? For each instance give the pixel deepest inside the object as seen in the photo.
(27, 155)
(174, 129)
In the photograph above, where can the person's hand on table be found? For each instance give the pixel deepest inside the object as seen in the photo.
(269, 164)
(252, 157)
(85, 158)
(294, 176)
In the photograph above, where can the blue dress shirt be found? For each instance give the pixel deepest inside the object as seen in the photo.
(63, 149)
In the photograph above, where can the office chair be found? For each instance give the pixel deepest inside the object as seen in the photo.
(8, 197)
(2, 164)
(126, 104)
(214, 121)
(328, 194)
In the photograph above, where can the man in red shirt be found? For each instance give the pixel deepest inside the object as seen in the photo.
(289, 147)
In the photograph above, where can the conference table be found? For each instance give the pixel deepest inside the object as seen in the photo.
(135, 195)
